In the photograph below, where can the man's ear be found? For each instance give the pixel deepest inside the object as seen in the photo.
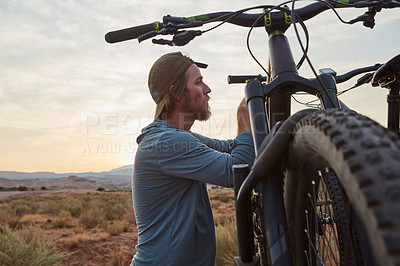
(173, 93)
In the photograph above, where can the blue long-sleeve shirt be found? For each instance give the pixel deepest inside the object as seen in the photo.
(172, 208)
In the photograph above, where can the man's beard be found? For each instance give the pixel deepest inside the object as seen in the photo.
(190, 109)
(204, 116)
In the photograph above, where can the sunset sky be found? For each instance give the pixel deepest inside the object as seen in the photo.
(70, 102)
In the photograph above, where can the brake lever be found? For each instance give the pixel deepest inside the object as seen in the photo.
(181, 38)
(147, 35)
(368, 18)
(163, 42)
(184, 37)
(364, 79)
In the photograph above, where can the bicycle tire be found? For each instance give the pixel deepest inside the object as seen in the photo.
(365, 159)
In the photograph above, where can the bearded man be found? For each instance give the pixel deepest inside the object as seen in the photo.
(173, 166)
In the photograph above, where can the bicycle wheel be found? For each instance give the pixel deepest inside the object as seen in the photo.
(324, 216)
(341, 191)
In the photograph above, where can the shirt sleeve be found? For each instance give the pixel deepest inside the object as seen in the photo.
(216, 144)
(183, 155)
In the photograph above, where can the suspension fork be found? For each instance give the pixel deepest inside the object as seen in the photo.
(328, 97)
(270, 189)
(278, 106)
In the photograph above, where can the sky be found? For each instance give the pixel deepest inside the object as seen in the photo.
(70, 102)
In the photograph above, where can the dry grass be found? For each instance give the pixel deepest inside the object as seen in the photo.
(226, 238)
(77, 239)
(74, 222)
(223, 205)
(99, 223)
(117, 258)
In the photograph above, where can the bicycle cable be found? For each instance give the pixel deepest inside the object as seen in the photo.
(230, 16)
(306, 55)
(329, 3)
(249, 49)
(346, 90)
(307, 104)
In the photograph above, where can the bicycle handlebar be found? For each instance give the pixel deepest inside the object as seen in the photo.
(240, 79)
(350, 74)
(129, 33)
(170, 25)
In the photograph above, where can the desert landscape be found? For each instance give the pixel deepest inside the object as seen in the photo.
(88, 226)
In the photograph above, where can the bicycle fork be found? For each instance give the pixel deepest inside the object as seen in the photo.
(267, 174)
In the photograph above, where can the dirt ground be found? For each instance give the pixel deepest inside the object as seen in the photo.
(98, 249)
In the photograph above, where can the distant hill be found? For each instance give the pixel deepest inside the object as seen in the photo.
(116, 178)
(121, 171)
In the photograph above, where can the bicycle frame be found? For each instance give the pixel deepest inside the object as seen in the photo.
(269, 104)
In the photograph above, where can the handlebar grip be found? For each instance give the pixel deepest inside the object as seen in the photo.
(244, 78)
(130, 33)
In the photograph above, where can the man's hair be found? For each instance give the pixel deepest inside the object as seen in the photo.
(178, 88)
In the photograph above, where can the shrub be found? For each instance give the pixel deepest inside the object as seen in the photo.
(63, 220)
(22, 188)
(115, 228)
(118, 258)
(22, 206)
(51, 206)
(92, 218)
(21, 209)
(223, 195)
(76, 241)
(75, 211)
(7, 217)
(73, 205)
(31, 250)
(215, 204)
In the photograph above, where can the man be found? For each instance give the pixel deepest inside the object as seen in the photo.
(173, 166)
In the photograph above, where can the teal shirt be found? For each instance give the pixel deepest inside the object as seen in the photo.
(172, 208)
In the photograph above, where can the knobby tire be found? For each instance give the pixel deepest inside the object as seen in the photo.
(349, 165)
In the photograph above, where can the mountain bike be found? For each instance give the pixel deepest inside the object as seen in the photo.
(324, 187)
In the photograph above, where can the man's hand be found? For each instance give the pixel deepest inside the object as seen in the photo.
(243, 117)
